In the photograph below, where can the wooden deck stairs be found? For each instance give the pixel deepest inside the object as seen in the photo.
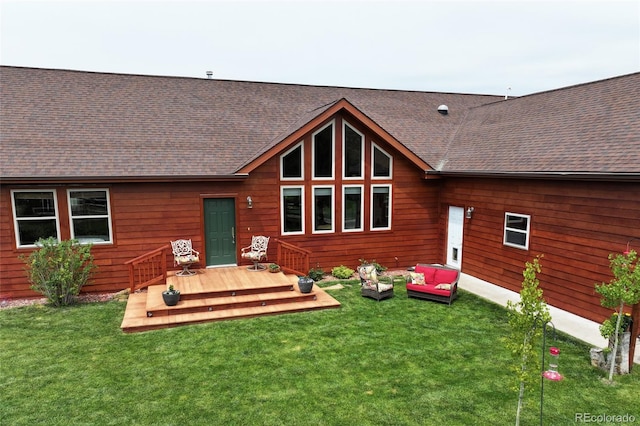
(221, 294)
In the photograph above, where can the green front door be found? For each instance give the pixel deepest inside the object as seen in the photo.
(220, 231)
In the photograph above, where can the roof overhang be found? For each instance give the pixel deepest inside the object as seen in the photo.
(83, 180)
(583, 176)
(339, 106)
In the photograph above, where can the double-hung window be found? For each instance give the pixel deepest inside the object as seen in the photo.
(35, 216)
(90, 215)
(516, 230)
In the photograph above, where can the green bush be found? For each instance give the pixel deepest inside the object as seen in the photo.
(59, 269)
(342, 272)
(316, 274)
(379, 268)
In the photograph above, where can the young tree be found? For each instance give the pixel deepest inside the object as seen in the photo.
(623, 289)
(526, 320)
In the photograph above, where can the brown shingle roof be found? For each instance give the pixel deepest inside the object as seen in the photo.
(588, 128)
(70, 124)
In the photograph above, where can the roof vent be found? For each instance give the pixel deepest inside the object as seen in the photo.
(443, 109)
(209, 74)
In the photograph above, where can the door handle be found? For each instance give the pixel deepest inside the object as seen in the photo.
(233, 234)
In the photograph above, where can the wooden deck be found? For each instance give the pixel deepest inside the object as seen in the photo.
(221, 294)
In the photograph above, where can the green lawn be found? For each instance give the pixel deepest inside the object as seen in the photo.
(396, 362)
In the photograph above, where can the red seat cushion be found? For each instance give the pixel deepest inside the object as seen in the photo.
(429, 273)
(445, 276)
(428, 288)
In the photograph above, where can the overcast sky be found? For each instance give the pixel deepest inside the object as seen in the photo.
(453, 46)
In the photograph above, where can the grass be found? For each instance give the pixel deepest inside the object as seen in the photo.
(396, 362)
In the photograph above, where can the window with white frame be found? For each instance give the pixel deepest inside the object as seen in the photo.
(380, 207)
(90, 215)
(35, 216)
(323, 208)
(323, 161)
(381, 163)
(292, 209)
(292, 164)
(352, 202)
(516, 230)
(352, 152)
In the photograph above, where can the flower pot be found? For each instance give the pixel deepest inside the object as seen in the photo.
(274, 270)
(305, 284)
(170, 299)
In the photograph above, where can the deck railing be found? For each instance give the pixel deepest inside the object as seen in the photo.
(292, 259)
(148, 269)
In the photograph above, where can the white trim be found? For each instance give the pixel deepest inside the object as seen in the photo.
(374, 146)
(302, 210)
(289, 151)
(344, 208)
(331, 188)
(108, 215)
(516, 230)
(16, 219)
(390, 208)
(345, 124)
(333, 152)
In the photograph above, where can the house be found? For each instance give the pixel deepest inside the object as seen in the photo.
(479, 182)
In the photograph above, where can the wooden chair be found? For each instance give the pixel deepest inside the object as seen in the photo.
(184, 255)
(256, 252)
(372, 286)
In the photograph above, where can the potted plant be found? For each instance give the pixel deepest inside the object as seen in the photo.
(274, 267)
(305, 284)
(171, 296)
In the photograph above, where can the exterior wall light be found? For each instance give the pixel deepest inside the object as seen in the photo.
(469, 212)
(249, 202)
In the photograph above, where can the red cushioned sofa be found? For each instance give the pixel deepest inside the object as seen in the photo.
(433, 282)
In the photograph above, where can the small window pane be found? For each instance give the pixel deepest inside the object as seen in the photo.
(292, 164)
(381, 163)
(292, 202)
(516, 230)
(323, 153)
(34, 204)
(88, 203)
(30, 231)
(353, 153)
(91, 230)
(517, 222)
(517, 238)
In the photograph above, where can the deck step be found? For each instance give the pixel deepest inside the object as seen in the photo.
(216, 295)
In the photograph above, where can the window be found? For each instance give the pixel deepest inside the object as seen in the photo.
(291, 164)
(516, 230)
(323, 209)
(352, 208)
(89, 214)
(323, 153)
(380, 207)
(292, 210)
(35, 216)
(353, 153)
(381, 163)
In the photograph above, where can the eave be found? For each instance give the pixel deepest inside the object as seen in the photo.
(80, 180)
(579, 176)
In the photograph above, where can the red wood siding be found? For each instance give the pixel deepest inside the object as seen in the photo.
(575, 225)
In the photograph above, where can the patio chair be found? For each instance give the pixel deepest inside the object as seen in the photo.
(372, 286)
(256, 252)
(184, 255)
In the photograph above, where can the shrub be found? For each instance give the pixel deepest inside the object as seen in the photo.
(379, 268)
(342, 272)
(59, 269)
(316, 274)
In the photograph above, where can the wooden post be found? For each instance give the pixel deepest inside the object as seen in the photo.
(635, 315)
